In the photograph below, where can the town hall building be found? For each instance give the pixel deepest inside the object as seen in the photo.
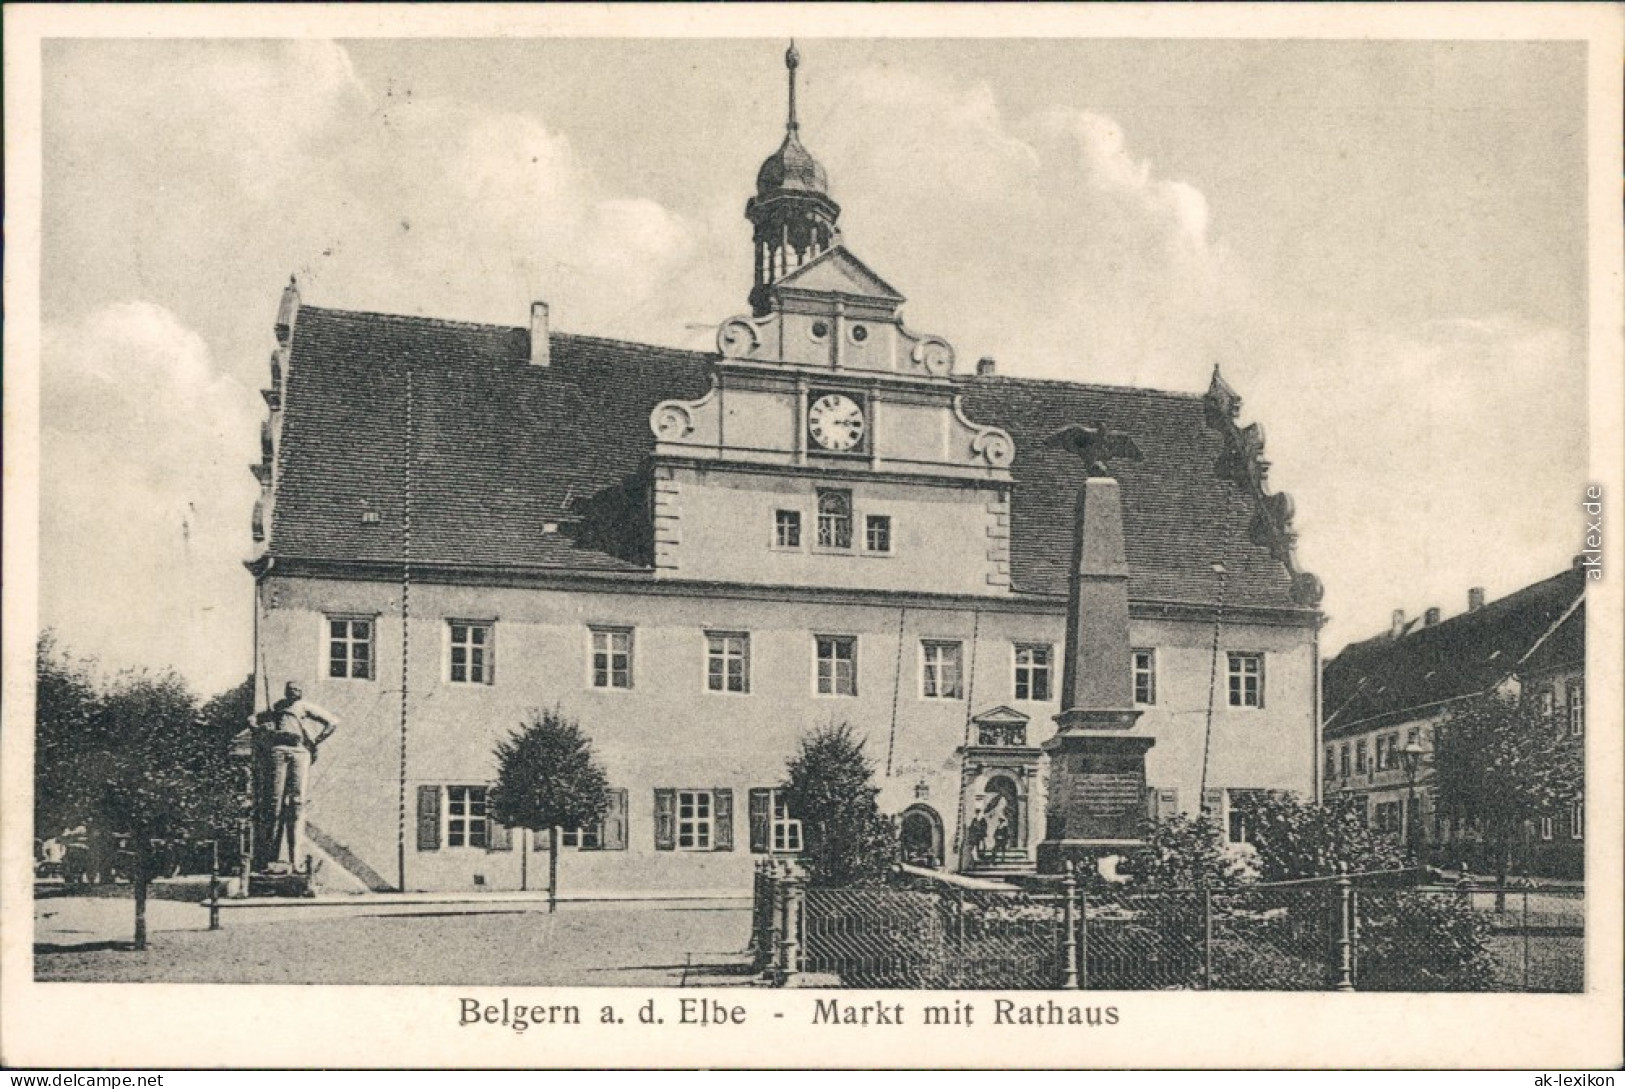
(701, 556)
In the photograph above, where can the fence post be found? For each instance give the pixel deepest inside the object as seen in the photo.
(1207, 939)
(789, 944)
(756, 917)
(1083, 940)
(1525, 929)
(1069, 932)
(772, 953)
(214, 887)
(1343, 902)
(959, 934)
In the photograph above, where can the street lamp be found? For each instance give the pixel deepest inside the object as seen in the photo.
(1411, 757)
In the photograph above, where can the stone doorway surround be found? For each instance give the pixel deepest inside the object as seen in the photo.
(999, 776)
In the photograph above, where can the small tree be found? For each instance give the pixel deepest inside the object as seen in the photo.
(1295, 839)
(1181, 852)
(829, 787)
(1498, 761)
(65, 705)
(151, 772)
(547, 777)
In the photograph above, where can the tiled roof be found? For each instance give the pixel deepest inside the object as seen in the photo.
(501, 447)
(1381, 679)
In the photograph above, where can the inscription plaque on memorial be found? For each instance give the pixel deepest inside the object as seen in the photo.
(1106, 798)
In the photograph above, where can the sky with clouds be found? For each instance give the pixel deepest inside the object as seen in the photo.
(1382, 244)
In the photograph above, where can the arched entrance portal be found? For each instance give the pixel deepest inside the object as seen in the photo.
(922, 837)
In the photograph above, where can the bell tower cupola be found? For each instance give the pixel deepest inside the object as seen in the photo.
(793, 215)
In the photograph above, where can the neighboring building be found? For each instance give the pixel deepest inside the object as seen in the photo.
(1386, 693)
(700, 556)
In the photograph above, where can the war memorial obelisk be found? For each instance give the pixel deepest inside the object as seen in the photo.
(1096, 788)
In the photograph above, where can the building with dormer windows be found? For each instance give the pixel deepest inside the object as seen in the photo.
(700, 556)
(1387, 694)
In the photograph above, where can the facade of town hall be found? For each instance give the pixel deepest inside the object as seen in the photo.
(701, 556)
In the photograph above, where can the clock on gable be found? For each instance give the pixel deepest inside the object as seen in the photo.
(836, 422)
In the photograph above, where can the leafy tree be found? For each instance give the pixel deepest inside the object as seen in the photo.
(1499, 761)
(1181, 852)
(1295, 839)
(829, 787)
(64, 716)
(547, 777)
(130, 758)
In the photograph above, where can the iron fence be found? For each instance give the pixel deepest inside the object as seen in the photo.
(1314, 935)
(1470, 939)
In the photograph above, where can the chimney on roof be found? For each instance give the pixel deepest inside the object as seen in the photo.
(1431, 617)
(986, 367)
(1397, 626)
(1475, 599)
(541, 353)
(287, 312)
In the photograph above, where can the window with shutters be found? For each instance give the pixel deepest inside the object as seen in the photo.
(350, 647)
(456, 816)
(772, 828)
(611, 657)
(1034, 666)
(1577, 708)
(608, 834)
(1331, 761)
(1343, 760)
(469, 645)
(727, 661)
(465, 817)
(693, 820)
(1360, 757)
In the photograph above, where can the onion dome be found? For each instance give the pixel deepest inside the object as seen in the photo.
(791, 167)
(792, 213)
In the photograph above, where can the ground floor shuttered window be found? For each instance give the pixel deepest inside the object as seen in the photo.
(608, 834)
(455, 816)
(772, 828)
(693, 819)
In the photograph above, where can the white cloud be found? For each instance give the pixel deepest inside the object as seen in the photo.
(145, 449)
(1047, 239)
(1437, 456)
(1043, 240)
(501, 210)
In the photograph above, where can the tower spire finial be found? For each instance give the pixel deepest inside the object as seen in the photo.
(791, 60)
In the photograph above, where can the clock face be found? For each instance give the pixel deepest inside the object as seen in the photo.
(835, 421)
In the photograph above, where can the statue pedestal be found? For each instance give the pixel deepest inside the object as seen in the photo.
(1096, 789)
